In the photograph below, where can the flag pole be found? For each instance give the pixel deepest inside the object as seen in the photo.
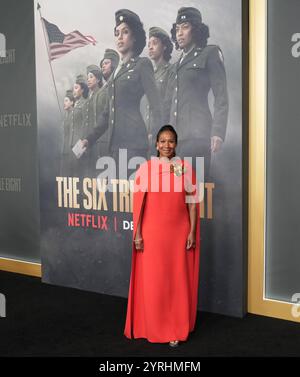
(49, 58)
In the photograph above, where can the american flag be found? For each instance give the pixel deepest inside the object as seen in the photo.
(60, 43)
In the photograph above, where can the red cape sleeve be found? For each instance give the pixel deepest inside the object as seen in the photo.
(139, 191)
(140, 188)
(193, 193)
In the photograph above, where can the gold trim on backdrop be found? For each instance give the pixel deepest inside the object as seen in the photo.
(257, 168)
(20, 267)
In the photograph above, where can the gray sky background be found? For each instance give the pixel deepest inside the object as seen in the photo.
(96, 18)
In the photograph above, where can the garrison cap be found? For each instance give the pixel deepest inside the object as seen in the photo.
(156, 31)
(95, 70)
(80, 79)
(186, 14)
(126, 15)
(112, 55)
(69, 94)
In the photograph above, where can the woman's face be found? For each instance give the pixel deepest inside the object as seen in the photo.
(77, 91)
(155, 48)
(124, 38)
(166, 144)
(184, 35)
(92, 81)
(106, 68)
(67, 103)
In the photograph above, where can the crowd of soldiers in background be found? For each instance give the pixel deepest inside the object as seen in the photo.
(123, 101)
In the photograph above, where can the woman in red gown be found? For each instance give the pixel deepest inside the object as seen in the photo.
(163, 290)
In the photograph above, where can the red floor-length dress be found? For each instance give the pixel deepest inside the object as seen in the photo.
(163, 290)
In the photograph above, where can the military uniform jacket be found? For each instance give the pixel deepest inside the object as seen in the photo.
(67, 131)
(74, 129)
(122, 116)
(163, 74)
(90, 109)
(78, 121)
(187, 98)
(100, 103)
(94, 106)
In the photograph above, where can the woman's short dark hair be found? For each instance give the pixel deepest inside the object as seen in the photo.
(200, 33)
(139, 35)
(164, 128)
(113, 66)
(98, 77)
(169, 47)
(71, 98)
(85, 89)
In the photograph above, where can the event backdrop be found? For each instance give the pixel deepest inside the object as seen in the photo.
(19, 214)
(89, 247)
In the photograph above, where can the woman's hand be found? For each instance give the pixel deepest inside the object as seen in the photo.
(85, 143)
(191, 241)
(216, 143)
(139, 243)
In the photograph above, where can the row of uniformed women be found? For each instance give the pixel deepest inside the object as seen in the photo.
(175, 93)
(82, 106)
(185, 85)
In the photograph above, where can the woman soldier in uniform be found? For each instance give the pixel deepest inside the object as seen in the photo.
(80, 93)
(67, 154)
(93, 107)
(199, 69)
(133, 78)
(160, 48)
(109, 63)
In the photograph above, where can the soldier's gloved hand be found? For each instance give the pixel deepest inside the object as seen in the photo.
(85, 143)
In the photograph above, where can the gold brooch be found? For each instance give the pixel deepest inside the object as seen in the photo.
(177, 169)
